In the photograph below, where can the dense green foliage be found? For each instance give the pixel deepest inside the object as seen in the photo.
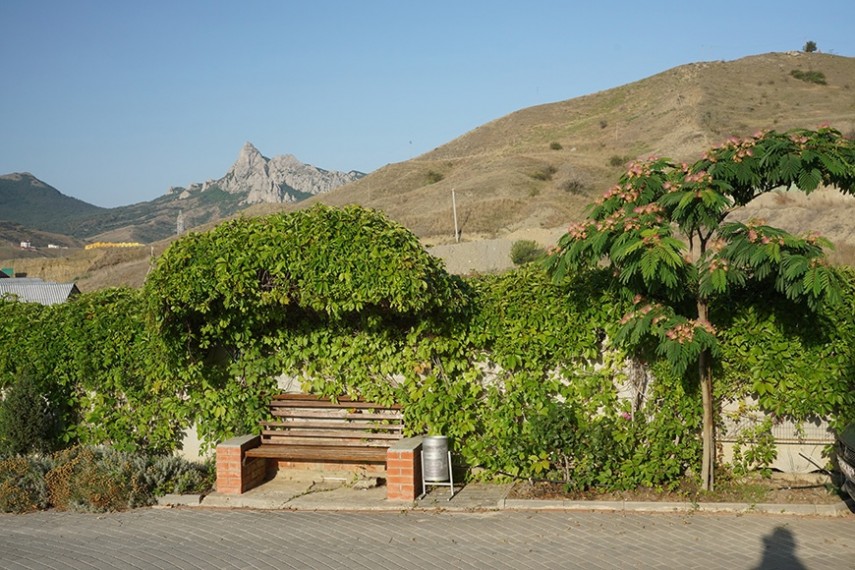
(520, 370)
(526, 251)
(100, 364)
(664, 233)
(30, 418)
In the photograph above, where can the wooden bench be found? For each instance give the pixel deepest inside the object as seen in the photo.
(307, 427)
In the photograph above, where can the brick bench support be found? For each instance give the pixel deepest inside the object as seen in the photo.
(404, 470)
(236, 473)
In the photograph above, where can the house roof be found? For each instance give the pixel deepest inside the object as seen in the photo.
(31, 290)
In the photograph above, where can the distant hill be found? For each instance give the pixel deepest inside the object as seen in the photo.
(539, 167)
(253, 178)
(26, 200)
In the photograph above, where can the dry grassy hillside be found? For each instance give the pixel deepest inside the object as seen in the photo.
(540, 166)
(525, 174)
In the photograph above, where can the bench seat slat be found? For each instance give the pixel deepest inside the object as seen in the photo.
(337, 414)
(314, 452)
(324, 437)
(328, 442)
(367, 427)
(326, 404)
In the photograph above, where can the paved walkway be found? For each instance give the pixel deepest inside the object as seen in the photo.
(232, 538)
(317, 523)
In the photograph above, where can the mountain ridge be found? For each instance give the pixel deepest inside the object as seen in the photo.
(252, 179)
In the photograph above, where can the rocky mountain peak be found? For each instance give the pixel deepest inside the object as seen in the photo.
(279, 179)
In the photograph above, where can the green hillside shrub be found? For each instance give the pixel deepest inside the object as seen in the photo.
(526, 251)
(433, 176)
(817, 77)
(618, 160)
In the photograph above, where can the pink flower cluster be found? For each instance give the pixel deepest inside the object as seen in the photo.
(743, 147)
(800, 140)
(610, 222)
(626, 193)
(719, 263)
(757, 237)
(638, 169)
(651, 208)
(638, 312)
(685, 332)
(699, 177)
(812, 237)
(578, 231)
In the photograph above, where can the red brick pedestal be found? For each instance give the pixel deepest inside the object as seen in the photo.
(237, 474)
(404, 470)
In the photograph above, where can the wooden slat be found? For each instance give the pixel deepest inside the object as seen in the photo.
(314, 452)
(323, 442)
(285, 397)
(366, 427)
(315, 403)
(315, 413)
(327, 434)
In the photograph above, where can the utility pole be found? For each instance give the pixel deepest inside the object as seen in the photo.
(454, 209)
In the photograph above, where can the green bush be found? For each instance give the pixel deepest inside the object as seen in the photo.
(433, 176)
(169, 474)
(101, 479)
(618, 160)
(574, 185)
(29, 420)
(817, 77)
(555, 145)
(545, 172)
(526, 251)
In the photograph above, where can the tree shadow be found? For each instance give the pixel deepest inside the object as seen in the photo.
(779, 551)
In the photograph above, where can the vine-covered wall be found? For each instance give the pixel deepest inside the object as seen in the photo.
(519, 371)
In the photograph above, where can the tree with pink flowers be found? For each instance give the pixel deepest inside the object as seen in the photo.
(664, 231)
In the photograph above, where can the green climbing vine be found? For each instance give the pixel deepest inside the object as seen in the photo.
(521, 371)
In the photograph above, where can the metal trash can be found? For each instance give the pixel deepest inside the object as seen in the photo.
(435, 458)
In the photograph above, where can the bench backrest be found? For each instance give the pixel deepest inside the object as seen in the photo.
(306, 419)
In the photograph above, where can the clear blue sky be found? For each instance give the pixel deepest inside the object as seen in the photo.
(115, 101)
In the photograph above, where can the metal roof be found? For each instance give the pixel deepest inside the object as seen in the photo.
(32, 290)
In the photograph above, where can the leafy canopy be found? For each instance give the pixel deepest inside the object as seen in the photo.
(250, 275)
(663, 232)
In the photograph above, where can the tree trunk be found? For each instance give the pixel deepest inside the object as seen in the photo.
(708, 431)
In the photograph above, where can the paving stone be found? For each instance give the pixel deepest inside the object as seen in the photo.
(223, 538)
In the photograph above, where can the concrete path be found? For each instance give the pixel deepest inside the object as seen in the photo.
(230, 538)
